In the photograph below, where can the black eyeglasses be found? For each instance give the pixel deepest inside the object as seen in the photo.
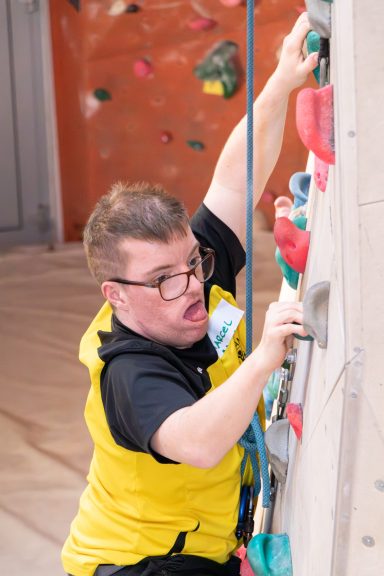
(172, 287)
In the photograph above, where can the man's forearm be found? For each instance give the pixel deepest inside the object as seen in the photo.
(269, 114)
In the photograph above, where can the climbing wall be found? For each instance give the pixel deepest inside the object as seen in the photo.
(331, 503)
(138, 96)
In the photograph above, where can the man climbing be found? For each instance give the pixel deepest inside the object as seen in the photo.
(171, 392)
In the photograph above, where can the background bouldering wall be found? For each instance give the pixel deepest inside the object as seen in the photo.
(131, 105)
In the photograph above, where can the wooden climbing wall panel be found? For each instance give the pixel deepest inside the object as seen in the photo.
(114, 125)
(332, 503)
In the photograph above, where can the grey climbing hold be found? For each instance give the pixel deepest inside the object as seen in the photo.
(319, 15)
(276, 444)
(315, 312)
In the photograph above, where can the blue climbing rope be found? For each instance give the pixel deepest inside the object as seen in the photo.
(249, 197)
(253, 438)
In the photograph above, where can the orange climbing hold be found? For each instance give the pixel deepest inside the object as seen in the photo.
(292, 242)
(295, 417)
(314, 121)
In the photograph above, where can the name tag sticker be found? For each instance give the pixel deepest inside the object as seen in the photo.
(222, 325)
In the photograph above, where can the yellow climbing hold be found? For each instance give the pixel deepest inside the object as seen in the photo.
(214, 87)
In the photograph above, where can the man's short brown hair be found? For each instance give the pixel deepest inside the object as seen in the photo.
(141, 211)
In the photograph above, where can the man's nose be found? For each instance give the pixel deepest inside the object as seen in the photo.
(194, 283)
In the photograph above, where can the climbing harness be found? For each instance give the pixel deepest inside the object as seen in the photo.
(253, 438)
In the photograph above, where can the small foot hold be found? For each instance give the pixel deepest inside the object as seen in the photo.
(292, 242)
(314, 121)
(295, 416)
(315, 312)
(270, 555)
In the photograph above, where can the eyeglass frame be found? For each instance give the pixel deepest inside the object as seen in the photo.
(209, 252)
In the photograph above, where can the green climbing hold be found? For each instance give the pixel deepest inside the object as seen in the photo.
(195, 144)
(313, 45)
(270, 555)
(102, 94)
(219, 69)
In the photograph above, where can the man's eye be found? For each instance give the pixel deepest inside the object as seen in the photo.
(161, 278)
(194, 261)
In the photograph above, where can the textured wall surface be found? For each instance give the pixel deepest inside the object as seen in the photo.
(114, 124)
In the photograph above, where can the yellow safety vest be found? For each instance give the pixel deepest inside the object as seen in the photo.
(133, 506)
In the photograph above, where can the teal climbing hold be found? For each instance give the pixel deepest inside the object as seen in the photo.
(195, 144)
(290, 275)
(270, 555)
(313, 45)
(273, 383)
(102, 94)
(300, 221)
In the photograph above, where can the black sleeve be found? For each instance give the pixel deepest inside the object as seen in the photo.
(211, 232)
(139, 392)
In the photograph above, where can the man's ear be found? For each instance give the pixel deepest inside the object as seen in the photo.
(114, 293)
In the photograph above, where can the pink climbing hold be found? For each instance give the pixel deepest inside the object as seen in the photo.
(232, 2)
(283, 206)
(295, 416)
(321, 174)
(292, 242)
(245, 567)
(166, 137)
(268, 196)
(201, 24)
(142, 68)
(314, 121)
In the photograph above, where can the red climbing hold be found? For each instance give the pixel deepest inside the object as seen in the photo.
(292, 242)
(201, 24)
(321, 174)
(165, 137)
(314, 121)
(142, 68)
(295, 417)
